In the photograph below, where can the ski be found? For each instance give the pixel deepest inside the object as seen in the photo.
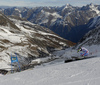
(74, 58)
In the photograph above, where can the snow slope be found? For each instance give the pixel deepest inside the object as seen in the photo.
(83, 72)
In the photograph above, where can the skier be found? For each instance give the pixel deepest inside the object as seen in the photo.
(84, 53)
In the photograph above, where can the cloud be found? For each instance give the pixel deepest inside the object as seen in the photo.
(14, 3)
(72, 2)
(47, 2)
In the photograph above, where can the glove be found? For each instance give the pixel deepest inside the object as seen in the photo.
(78, 51)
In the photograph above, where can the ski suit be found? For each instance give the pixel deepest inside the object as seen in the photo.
(85, 52)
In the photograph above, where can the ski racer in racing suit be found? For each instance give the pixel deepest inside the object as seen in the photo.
(85, 52)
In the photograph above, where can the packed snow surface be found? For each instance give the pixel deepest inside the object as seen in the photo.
(83, 72)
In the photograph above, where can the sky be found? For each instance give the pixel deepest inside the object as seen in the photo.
(34, 3)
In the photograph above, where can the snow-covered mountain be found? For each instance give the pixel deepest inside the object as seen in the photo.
(28, 40)
(93, 36)
(94, 22)
(67, 21)
(83, 72)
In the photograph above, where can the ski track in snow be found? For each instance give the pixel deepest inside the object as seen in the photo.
(84, 72)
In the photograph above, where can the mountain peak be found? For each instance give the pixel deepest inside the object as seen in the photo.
(91, 5)
(66, 6)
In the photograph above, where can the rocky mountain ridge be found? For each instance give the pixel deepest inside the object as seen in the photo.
(93, 36)
(66, 21)
(29, 41)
